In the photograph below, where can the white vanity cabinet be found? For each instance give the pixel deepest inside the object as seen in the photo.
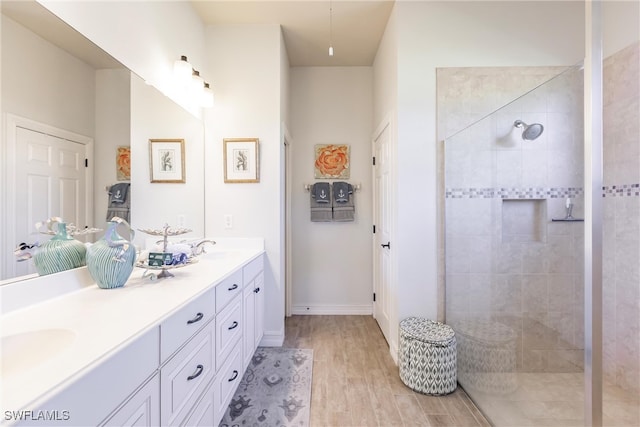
(141, 409)
(253, 308)
(185, 376)
(181, 369)
(177, 329)
(123, 387)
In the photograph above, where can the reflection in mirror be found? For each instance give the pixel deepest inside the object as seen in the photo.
(154, 116)
(65, 100)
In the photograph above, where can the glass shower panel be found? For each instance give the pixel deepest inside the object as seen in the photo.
(621, 238)
(514, 247)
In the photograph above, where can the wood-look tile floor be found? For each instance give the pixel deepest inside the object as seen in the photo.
(355, 382)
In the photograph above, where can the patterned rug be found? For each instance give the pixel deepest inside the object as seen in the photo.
(274, 391)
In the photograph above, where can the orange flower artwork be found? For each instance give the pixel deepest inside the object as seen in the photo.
(123, 164)
(332, 161)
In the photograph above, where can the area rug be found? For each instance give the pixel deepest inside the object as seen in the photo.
(275, 390)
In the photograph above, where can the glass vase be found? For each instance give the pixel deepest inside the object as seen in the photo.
(111, 259)
(61, 253)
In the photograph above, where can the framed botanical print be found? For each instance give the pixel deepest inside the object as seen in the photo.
(241, 160)
(166, 160)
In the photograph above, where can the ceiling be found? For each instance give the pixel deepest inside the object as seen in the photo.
(357, 26)
(45, 24)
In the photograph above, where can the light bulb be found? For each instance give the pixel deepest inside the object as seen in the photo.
(330, 50)
(182, 69)
(197, 83)
(206, 99)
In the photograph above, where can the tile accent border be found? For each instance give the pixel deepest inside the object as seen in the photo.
(512, 193)
(629, 190)
(625, 190)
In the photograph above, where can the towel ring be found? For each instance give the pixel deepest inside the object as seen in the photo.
(356, 187)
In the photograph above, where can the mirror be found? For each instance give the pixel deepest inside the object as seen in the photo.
(75, 100)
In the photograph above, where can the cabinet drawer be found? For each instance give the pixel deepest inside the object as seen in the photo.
(142, 409)
(227, 382)
(229, 325)
(204, 414)
(177, 329)
(252, 269)
(186, 375)
(227, 289)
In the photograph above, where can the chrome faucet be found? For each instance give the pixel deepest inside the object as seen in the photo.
(197, 249)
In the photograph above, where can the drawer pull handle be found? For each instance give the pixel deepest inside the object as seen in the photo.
(233, 325)
(256, 290)
(233, 288)
(235, 375)
(198, 318)
(199, 370)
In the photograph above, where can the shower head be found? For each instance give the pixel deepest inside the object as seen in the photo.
(529, 132)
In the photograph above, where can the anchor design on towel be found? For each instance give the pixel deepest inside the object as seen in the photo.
(323, 195)
(341, 193)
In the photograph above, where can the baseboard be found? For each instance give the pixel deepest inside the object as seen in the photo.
(393, 350)
(366, 309)
(272, 339)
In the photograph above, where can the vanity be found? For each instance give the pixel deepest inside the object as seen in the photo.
(168, 352)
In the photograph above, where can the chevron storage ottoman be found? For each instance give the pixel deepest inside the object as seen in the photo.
(427, 359)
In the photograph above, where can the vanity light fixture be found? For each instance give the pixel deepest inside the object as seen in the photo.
(197, 82)
(330, 28)
(207, 96)
(182, 69)
(189, 80)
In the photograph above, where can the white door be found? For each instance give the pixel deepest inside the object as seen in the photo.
(382, 236)
(50, 180)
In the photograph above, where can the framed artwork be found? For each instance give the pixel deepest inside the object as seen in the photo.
(241, 160)
(166, 160)
(331, 161)
(123, 164)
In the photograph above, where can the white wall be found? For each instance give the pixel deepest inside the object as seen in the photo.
(113, 123)
(145, 36)
(332, 261)
(385, 73)
(245, 64)
(443, 34)
(42, 82)
(154, 116)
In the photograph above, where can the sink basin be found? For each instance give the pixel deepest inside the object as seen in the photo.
(28, 349)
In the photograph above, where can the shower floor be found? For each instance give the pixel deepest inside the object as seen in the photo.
(554, 399)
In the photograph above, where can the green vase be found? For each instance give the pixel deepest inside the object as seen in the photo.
(111, 259)
(61, 253)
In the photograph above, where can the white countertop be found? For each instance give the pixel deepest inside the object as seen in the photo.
(104, 321)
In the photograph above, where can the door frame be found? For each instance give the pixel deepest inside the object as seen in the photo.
(13, 122)
(288, 178)
(386, 122)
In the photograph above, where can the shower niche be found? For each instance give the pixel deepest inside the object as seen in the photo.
(524, 220)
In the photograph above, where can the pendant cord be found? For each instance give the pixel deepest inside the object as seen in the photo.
(330, 28)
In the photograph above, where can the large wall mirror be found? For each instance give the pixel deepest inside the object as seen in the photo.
(64, 99)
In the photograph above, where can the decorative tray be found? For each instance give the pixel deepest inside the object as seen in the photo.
(143, 264)
(164, 269)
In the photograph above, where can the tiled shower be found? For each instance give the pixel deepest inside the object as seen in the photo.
(513, 244)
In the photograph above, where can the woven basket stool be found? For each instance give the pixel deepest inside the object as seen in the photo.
(427, 358)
